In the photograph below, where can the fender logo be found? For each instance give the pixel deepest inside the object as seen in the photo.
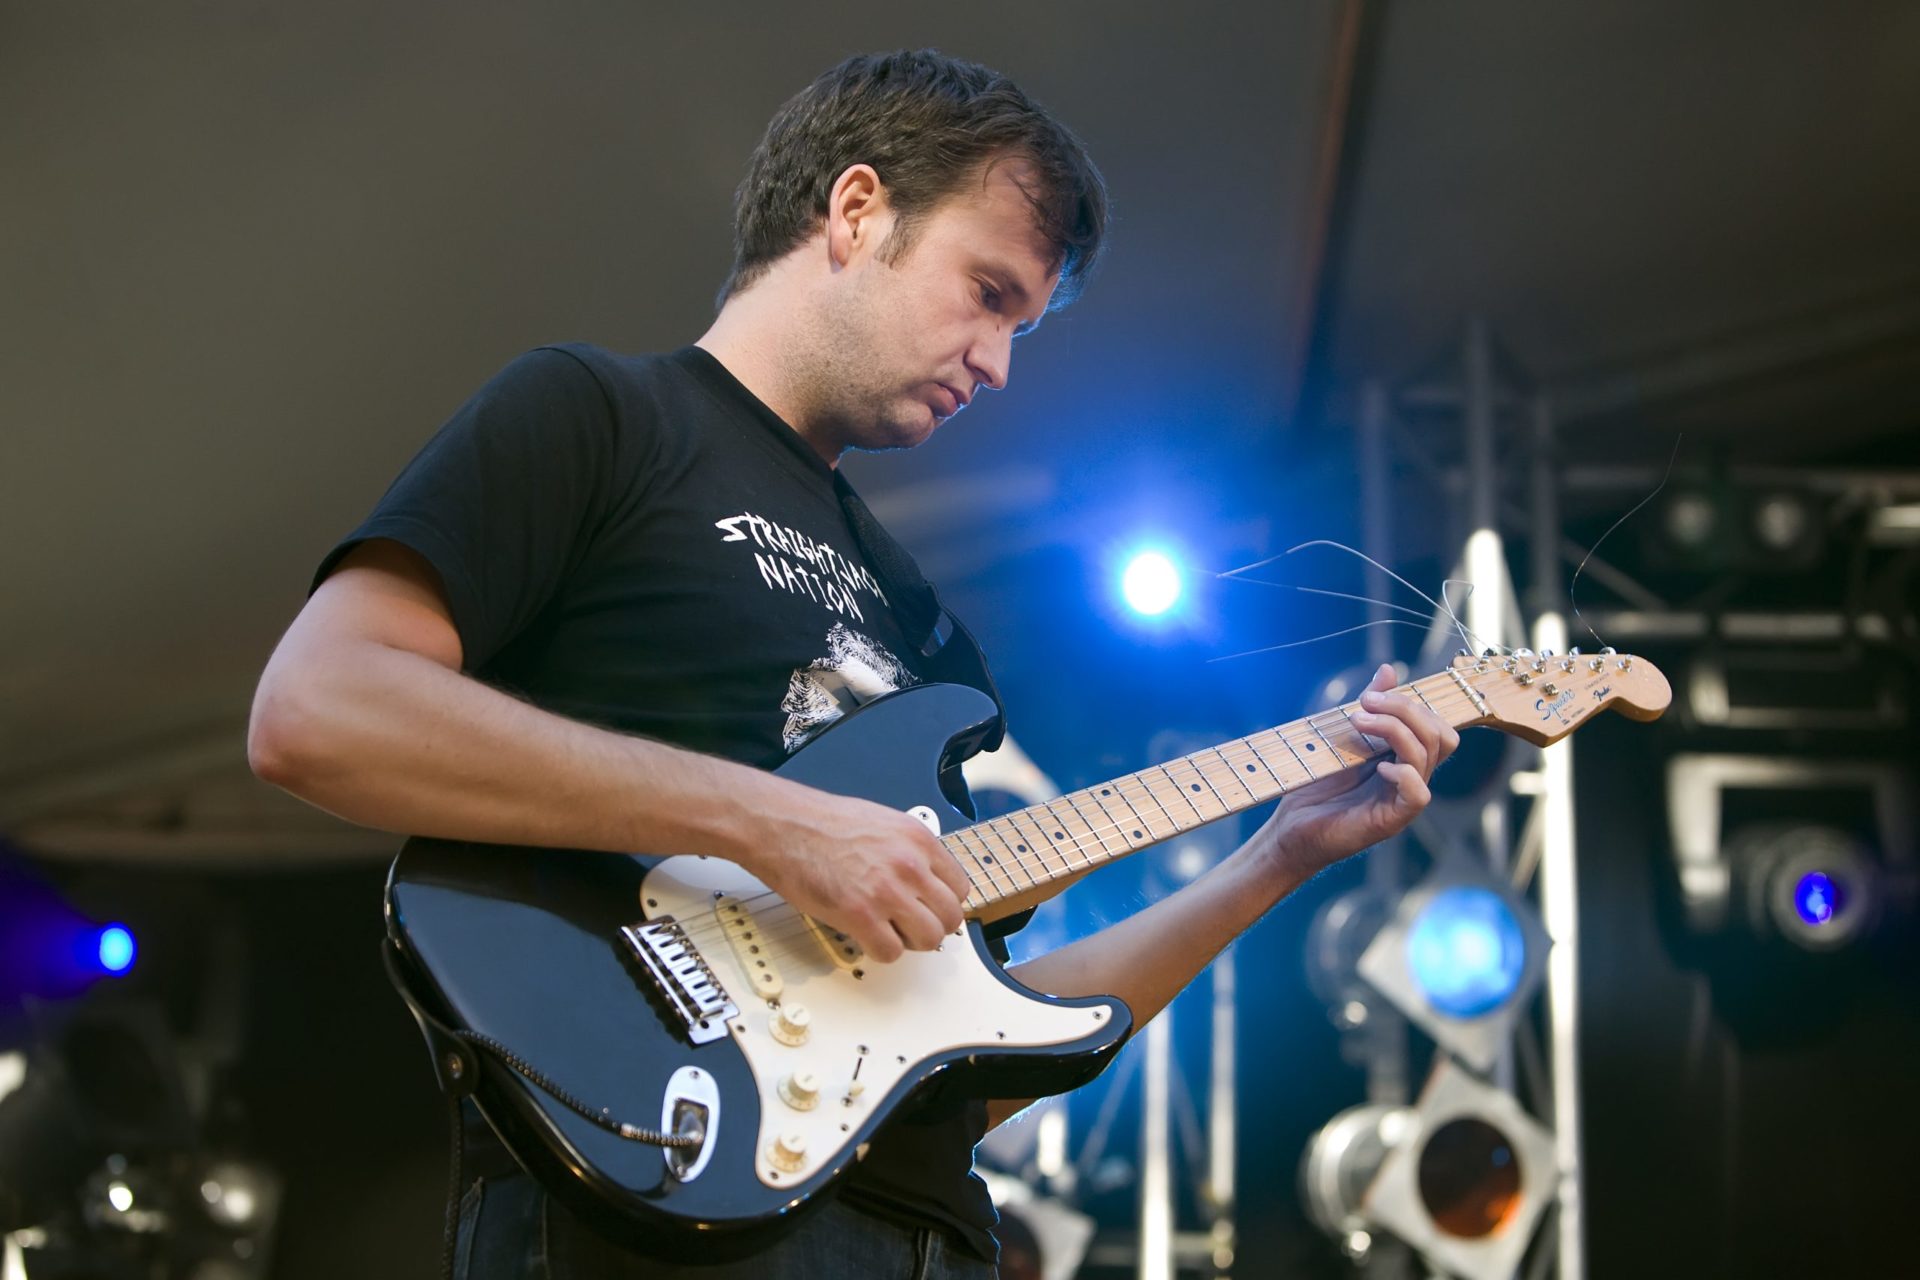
(1553, 710)
(1600, 694)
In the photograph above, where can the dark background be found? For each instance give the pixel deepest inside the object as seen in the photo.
(251, 256)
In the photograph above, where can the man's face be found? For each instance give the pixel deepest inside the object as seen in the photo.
(910, 338)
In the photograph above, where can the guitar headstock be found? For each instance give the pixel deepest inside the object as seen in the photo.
(1542, 698)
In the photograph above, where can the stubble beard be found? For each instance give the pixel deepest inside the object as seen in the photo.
(846, 387)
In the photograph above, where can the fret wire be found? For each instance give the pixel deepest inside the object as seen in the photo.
(1255, 758)
(1194, 761)
(1364, 736)
(1045, 843)
(1098, 834)
(1108, 814)
(959, 839)
(1182, 793)
(1261, 757)
(1337, 756)
(1146, 826)
(1022, 861)
(1211, 790)
(1421, 694)
(987, 860)
(1080, 813)
(1235, 775)
(1146, 788)
(1299, 759)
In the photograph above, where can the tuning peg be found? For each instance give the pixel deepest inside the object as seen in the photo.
(1489, 653)
(1546, 653)
(1574, 652)
(1463, 653)
(1608, 650)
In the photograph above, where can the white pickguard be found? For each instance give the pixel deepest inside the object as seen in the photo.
(866, 1032)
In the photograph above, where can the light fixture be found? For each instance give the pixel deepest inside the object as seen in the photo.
(1813, 885)
(1151, 583)
(1467, 1179)
(1462, 1176)
(1460, 955)
(114, 947)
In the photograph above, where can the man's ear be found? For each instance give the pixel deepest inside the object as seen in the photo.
(858, 214)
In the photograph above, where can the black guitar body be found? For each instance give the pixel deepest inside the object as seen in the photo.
(525, 946)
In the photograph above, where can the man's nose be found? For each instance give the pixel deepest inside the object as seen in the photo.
(989, 359)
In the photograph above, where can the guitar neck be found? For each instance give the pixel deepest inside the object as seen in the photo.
(1024, 857)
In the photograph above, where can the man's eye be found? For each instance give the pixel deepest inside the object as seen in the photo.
(990, 297)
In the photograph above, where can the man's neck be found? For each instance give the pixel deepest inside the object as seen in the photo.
(752, 338)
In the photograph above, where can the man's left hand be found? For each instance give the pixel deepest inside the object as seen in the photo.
(1343, 813)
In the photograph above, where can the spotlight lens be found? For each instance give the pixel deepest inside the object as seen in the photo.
(1816, 897)
(1466, 951)
(1469, 1178)
(1151, 583)
(116, 949)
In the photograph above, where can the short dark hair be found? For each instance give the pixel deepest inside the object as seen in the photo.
(927, 123)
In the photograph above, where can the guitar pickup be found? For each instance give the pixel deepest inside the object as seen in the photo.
(841, 949)
(750, 947)
(682, 976)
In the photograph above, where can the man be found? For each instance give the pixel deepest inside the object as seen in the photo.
(663, 546)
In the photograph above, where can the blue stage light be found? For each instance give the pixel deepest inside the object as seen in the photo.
(116, 949)
(1151, 583)
(1466, 951)
(1816, 897)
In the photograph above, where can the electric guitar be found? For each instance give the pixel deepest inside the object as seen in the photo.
(688, 1062)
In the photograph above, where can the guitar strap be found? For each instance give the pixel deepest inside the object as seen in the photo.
(948, 650)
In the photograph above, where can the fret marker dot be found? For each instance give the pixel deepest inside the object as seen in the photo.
(1311, 747)
(1020, 848)
(1196, 786)
(989, 857)
(1136, 835)
(1059, 835)
(1249, 768)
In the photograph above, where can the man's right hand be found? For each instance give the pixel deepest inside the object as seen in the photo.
(873, 873)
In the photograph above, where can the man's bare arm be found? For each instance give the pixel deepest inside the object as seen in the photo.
(364, 711)
(1149, 958)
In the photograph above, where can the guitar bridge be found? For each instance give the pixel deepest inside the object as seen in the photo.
(682, 976)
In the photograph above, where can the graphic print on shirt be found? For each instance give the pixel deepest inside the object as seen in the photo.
(855, 671)
(788, 560)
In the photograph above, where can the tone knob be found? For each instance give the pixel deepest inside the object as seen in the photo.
(788, 1152)
(790, 1024)
(800, 1090)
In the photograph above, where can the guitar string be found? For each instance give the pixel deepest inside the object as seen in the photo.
(1243, 753)
(1237, 752)
(1039, 869)
(774, 942)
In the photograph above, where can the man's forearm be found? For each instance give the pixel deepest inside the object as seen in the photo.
(391, 739)
(1149, 958)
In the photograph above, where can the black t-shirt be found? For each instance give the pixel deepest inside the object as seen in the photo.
(638, 542)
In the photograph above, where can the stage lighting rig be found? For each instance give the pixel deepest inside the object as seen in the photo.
(1462, 1176)
(1459, 955)
(1807, 881)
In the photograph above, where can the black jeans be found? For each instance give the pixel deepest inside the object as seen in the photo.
(511, 1230)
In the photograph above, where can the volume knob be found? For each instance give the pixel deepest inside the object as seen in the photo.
(800, 1090)
(788, 1152)
(790, 1024)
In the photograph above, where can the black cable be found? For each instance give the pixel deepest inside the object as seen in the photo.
(552, 1089)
